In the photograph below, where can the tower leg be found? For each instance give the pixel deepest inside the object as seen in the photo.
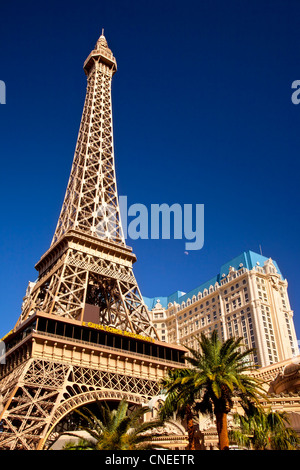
(40, 393)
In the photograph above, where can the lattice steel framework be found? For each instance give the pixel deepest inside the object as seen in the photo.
(91, 200)
(39, 393)
(88, 262)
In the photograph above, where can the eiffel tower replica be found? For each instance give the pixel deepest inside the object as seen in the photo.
(84, 333)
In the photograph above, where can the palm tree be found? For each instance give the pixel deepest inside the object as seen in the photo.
(220, 372)
(259, 429)
(115, 429)
(178, 400)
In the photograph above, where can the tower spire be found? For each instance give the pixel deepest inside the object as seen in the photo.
(91, 199)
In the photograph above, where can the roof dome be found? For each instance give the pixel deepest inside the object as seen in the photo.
(291, 368)
(102, 41)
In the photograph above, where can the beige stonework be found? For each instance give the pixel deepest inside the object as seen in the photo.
(253, 304)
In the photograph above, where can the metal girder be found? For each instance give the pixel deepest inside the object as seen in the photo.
(45, 391)
(91, 200)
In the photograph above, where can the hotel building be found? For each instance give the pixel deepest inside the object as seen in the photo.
(247, 298)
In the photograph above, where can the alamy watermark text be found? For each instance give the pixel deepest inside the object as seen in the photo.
(2, 92)
(296, 94)
(159, 221)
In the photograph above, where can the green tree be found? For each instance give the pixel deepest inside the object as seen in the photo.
(115, 429)
(219, 372)
(179, 400)
(260, 430)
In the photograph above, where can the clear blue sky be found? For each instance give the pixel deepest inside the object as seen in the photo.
(202, 114)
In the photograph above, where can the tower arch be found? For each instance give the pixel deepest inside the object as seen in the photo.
(79, 400)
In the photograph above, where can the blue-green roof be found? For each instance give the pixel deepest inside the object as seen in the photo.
(164, 301)
(249, 259)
